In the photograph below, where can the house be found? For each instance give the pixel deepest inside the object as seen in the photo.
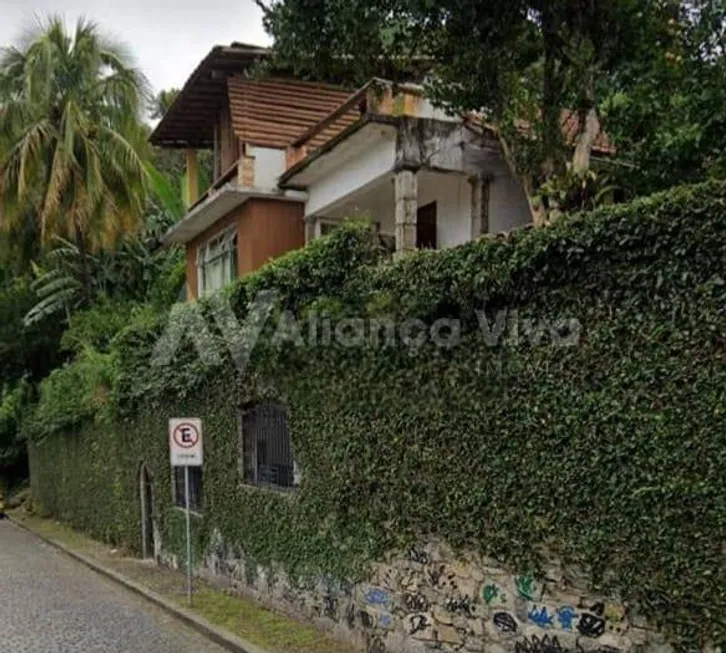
(294, 158)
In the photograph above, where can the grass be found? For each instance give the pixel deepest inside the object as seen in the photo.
(239, 616)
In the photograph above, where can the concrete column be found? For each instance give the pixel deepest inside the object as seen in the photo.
(406, 194)
(479, 207)
(311, 224)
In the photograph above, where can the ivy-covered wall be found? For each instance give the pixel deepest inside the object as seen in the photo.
(573, 406)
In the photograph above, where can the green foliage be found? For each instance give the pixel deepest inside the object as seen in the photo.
(13, 400)
(514, 61)
(71, 394)
(665, 110)
(608, 453)
(26, 356)
(57, 286)
(96, 327)
(71, 138)
(24, 351)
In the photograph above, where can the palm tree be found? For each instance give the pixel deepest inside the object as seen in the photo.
(72, 144)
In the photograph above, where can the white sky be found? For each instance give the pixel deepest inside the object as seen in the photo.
(168, 37)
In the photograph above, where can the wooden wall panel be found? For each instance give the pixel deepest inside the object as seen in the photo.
(266, 229)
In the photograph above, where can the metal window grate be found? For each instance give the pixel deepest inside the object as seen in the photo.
(196, 488)
(267, 458)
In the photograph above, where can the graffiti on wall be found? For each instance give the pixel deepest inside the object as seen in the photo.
(566, 616)
(378, 597)
(525, 587)
(505, 622)
(462, 607)
(541, 617)
(419, 555)
(549, 644)
(589, 623)
(418, 623)
(491, 593)
(385, 620)
(592, 623)
(330, 607)
(415, 602)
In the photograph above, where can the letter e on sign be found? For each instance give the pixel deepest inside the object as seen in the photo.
(185, 441)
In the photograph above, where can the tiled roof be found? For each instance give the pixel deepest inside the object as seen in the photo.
(273, 112)
(571, 127)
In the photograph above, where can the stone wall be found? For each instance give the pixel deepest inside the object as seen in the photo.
(430, 599)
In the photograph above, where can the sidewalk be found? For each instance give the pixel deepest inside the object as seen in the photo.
(238, 624)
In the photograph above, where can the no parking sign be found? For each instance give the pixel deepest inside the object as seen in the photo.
(185, 441)
(185, 446)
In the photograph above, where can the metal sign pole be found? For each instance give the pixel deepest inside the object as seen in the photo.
(189, 536)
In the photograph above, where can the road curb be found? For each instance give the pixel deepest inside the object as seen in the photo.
(210, 631)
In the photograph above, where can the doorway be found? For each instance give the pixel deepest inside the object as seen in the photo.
(148, 520)
(426, 227)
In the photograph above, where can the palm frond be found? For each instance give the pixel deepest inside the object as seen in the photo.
(163, 189)
(61, 301)
(70, 145)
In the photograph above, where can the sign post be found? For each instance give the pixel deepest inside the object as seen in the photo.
(185, 447)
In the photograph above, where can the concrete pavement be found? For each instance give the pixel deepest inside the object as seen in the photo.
(52, 604)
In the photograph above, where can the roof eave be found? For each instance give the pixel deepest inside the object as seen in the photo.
(247, 55)
(287, 179)
(220, 204)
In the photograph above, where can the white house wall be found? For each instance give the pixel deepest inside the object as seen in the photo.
(358, 171)
(508, 206)
(452, 194)
(269, 165)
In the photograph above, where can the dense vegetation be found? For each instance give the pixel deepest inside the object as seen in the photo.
(80, 229)
(649, 71)
(609, 452)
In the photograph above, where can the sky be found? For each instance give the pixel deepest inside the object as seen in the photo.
(167, 37)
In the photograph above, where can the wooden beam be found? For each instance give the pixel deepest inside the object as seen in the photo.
(192, 177)
(332, 117)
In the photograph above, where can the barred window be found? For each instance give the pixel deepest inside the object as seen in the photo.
(267, 458)
(196, 488)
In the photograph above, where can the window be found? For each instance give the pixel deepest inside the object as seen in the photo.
(328, 227)
(217, 262)
(196, 488)
(266, 448)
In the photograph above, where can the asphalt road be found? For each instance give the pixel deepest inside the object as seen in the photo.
(50, 603)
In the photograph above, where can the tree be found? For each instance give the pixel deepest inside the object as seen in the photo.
(162, 101)
(26, 356)
(72, 147)
(667, 111)
(513, 61)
